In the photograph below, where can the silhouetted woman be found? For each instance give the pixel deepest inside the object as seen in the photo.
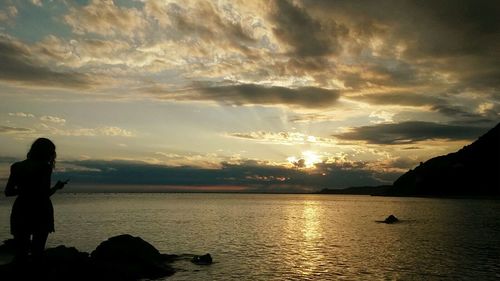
(32, 217)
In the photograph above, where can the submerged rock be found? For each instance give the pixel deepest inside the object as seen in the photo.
(391, 219)
(202, 260)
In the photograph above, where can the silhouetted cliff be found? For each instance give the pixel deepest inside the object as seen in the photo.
(474, 170)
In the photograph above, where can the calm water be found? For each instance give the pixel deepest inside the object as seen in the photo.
(292, 237)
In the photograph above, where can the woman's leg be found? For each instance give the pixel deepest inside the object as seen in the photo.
(23, 242)
(38, 243)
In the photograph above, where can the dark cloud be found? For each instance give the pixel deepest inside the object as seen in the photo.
(431, 28)
(305, 34)
(437, 104)
(252, 175)
(383, 72)
(310, 117)
(400, 98)
(399, 73)
(411, 132)
(478, 72)
(458, 38)
(478, 122)
(310, 97)
(412, 148)
(464, 27)
(17, 64)
(454, 111)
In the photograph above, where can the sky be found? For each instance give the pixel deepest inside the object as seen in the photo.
(257, 96)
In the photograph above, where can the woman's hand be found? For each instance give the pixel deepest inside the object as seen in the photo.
(57, 186)
(60, 184)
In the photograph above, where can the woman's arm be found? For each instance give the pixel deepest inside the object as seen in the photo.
(11, 187)
(57, 186)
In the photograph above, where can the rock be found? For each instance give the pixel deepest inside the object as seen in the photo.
(391, 219)
(8, 247)
(126, 247)
(63, 254)
(169, 258)
(67, 263)
(130, 257)
(202, 260)
(120, 258)
(57, 264)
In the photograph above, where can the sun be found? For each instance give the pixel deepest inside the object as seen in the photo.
(307, 160)
(310, 158)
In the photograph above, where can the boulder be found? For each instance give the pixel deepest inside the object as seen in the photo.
(126, 247)
(131, 258)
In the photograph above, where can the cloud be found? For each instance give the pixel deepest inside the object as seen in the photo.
(254, 176)
(284, 138)
(398, 164)
(8, 14)
(21, 114)
(217, 23)
(442, 105)
(411, 132)
(89, 52)
(9, 129)
(114, 131)
(300, 54)
(403, 162)
(248, 94)
(53, 119)
(37, 2)
(105, 18)
(307, 36)
(382, 116)
(18, 64)
(206, 160)
(110, 131)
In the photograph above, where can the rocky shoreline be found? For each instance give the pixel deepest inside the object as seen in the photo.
(123, 257)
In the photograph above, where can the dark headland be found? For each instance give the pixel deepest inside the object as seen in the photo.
(473, 171)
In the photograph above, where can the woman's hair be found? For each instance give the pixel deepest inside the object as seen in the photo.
(43, 149)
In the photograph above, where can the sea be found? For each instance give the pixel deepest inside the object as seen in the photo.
(291, 237)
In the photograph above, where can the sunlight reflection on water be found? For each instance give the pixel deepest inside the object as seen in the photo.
(292, 237)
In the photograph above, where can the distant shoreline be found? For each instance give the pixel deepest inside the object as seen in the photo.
(339, 192)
